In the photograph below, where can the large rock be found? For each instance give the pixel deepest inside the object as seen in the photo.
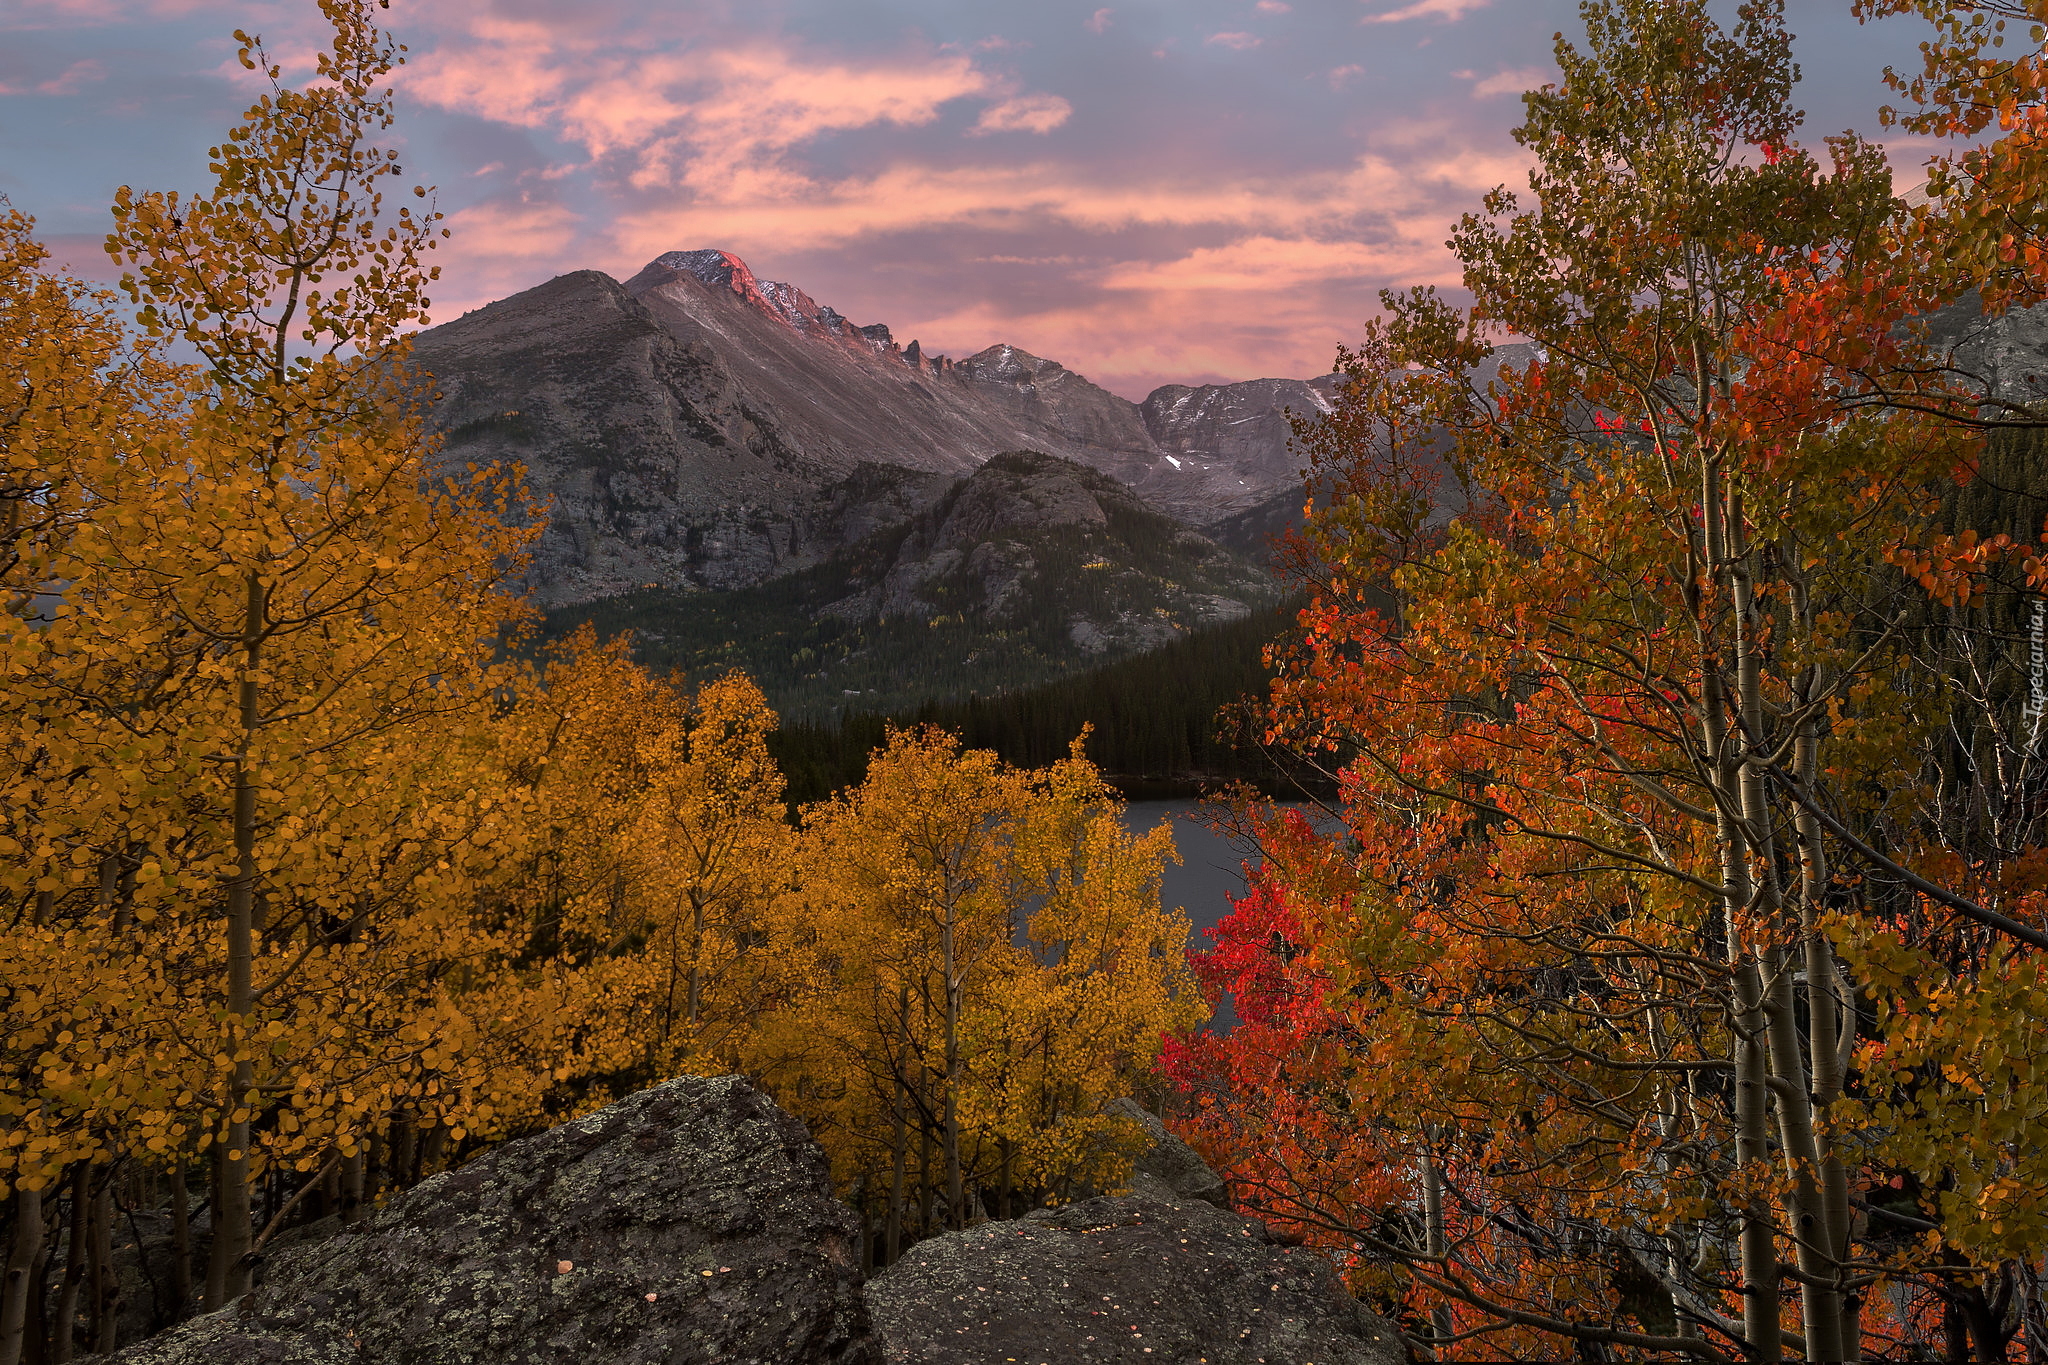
(692, 1222)
(1158, 1275)
(1140, 1278)
(1170, 1161)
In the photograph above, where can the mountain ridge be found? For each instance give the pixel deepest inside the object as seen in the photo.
(696, 427)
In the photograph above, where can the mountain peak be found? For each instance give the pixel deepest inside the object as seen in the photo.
(719, 269)
(786, 303)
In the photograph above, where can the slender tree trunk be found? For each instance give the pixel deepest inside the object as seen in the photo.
(1830, 1023)
(695, 999)
(181, 1243)
(1758, 1254)
(1436, 1244)
(374, 1158)
(1955, 1331)
(956, 1208)
(901, 1140)
(1820, 1303)
(433, 1148)
(103, 1299)
(1009, 1151)
(62, 1339)
(24, 1254)
(350, 1203)
(35, 1346)
(327, 1202)
(402, 1144)
(227, 1270)
(924, 1179)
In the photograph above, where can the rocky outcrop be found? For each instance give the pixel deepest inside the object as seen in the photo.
(1227, 444)
(1159, 1274)
(1171, 1162)
(2003, 357)
(1133, 1279)
(1031, 538)
(692, 1222)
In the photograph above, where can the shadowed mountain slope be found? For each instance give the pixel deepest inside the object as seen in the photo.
(1033, 568)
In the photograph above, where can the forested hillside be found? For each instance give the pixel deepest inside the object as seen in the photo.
(1174, 720)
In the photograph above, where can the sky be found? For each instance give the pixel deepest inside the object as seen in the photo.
(1172, 191)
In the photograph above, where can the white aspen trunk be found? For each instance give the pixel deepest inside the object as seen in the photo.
(1820, 1303)
(227, 1267)
(1830, 1022)
(1436, 1244)
(1758, 1255)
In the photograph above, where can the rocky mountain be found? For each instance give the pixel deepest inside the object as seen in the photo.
(696, 427)
(1032, 567)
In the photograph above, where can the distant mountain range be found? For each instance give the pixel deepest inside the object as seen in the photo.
(697, 428)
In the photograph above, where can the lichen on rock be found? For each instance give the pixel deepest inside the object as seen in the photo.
(695, 1220)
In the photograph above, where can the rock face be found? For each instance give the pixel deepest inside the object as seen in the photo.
(1170, 1161)
(1151, 1276)
(1032, 536)
(694, 427)
(2006, 356)
(1227, 444)
(692, 1222)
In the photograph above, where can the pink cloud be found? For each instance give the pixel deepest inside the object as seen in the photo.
(1237, 42)
(708, 117)
(1274, 7)
(1448, 10)
(1023, 114)
(1265, 265)
(1512, 82)
(753, 97)
(39, 14)
(74, 78)
(1339, 75)
(1098, 22)
(1414, 197)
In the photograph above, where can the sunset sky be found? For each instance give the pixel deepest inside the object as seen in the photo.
(1172, 191)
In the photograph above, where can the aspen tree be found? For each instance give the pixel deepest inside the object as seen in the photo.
(976, 965)
(78, 396)
(1609, 718)
(715, 837)
(327, 601)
